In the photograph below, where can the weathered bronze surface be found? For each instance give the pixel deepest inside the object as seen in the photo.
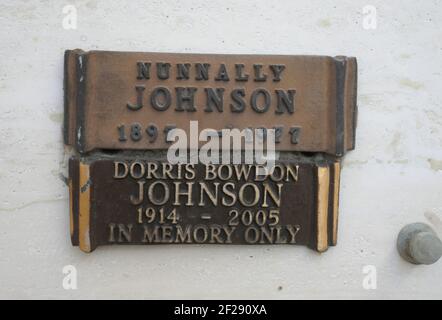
(122, 100)
(119, 107)
(142, 199)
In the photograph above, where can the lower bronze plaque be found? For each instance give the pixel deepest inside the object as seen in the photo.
(143, 199)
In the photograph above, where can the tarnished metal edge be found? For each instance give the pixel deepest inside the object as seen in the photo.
(336, 187)
(69, 88)
(323, 186)
(333, 202)
(346, 103)
(84, 208)
(80, 131)
(71, 209)
(73, 194)
(353, 96)
(340, 64)
(67, 113)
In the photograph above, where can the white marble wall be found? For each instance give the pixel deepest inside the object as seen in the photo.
(394, 177)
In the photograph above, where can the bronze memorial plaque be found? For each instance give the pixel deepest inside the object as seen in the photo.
(126, 187)
(132, 200)
(128, 101)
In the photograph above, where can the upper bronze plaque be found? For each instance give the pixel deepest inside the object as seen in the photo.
(129, 100)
